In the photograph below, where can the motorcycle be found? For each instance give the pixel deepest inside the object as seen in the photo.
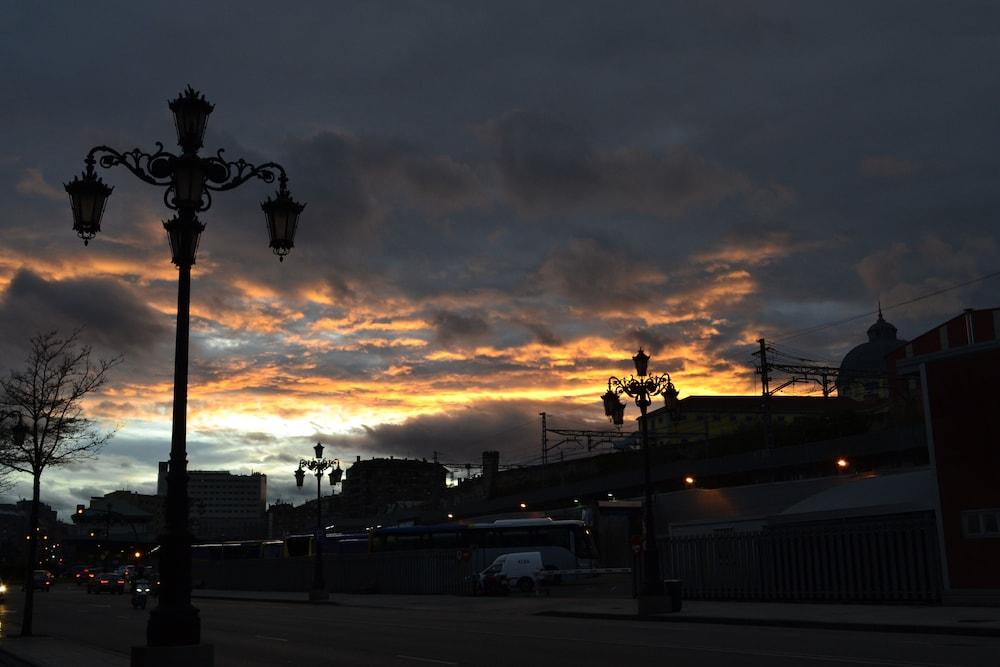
(140, 592)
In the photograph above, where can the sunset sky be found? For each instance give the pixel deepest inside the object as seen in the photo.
(504, 201)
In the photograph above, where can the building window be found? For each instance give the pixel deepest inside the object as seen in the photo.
(978, 524)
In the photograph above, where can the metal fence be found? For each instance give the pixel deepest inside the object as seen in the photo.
(870, 560)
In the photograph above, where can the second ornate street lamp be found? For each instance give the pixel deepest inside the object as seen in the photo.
(318, 465)
(188, 180)
(642, 387)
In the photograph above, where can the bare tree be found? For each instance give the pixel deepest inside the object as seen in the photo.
(43, 408)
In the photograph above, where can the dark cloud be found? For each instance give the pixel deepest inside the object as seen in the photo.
(114, 319)
(461, 435)
(549, 165)
(454, 328)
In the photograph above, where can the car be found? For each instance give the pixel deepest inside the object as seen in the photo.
(83, 573)
(106, 582)
(521, 571)
(42, 579)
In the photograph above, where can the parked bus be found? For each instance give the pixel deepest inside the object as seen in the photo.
(564, 545)
(238, 550)
(333, 543)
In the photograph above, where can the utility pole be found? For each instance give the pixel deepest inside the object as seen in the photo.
(765, 386)
(545, 441)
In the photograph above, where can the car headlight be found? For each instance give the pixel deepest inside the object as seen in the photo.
(3, 588)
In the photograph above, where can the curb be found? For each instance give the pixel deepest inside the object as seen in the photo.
(10, 660)
(784, 623)
(230, 598)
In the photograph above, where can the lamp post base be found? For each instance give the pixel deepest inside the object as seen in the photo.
(318, 595)
(192, 655)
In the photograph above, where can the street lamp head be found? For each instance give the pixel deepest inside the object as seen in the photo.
(319, 450)
(670, 395)
(282, 214)
(641, 360)
(191, 111)
(336, 475)
(88, 195)
(183, 234)
(188, 183)
(618, 418)
(300, 477)
(611, 403)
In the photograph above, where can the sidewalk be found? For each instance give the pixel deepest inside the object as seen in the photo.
(44, 651)
(970, 621)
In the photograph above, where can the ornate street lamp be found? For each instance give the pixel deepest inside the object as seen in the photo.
(188, 180)
(317, 466)
(642, 387)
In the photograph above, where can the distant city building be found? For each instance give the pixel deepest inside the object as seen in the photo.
(284, 519)
(120, 516)
(864, 371)
(223, 506)
(377, 485)
(14, 526)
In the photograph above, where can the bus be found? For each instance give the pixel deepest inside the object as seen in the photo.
(333, 543)
(238, 550)
(564, 545)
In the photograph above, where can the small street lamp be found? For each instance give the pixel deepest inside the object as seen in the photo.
(642, 387)
(318, 466)
(188, 180)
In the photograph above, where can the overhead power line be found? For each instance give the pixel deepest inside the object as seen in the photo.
(820, 327)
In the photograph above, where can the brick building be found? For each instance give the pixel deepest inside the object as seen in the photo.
(953, 369)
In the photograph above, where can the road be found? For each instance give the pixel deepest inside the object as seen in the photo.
(270, 634)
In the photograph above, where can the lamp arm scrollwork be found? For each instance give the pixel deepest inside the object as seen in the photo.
(153, 168)
(318, 466)
(222, 175)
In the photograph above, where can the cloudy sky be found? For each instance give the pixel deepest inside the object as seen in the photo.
(504, 201)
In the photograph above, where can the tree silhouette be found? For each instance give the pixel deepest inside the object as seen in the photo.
(44, 423)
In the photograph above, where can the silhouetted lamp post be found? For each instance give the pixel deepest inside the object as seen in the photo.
(642, 388)
(188, 180)
(318, 466)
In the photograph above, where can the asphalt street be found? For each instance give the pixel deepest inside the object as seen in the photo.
(266, 633)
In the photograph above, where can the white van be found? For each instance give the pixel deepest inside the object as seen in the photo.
(521, 571)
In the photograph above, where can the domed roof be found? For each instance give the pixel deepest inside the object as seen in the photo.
(867, 361)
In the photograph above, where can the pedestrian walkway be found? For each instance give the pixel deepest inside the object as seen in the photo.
(972, 621)
(54, 652)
